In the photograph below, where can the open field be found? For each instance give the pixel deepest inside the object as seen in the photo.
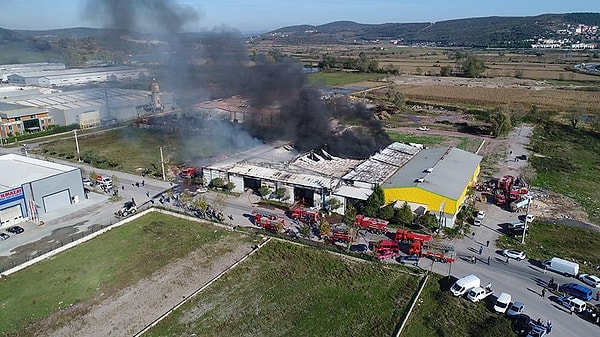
(289, 290)
(58, 290)
(130, 149)
(438, 313)
(546, 240)
(524, 98)
(567, 162)
(335, 79)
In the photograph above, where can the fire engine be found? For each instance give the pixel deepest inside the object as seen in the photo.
(275, 223)
(189, 172)
(373, 225)
(415, 240)
(308, 215)
(339, 233)
(385, 249)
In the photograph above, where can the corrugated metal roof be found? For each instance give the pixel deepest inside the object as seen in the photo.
(18, 170)
(72, 72)
(299, 179)
(354, 192)
(450, 169)
(381, 166)
(84, 98)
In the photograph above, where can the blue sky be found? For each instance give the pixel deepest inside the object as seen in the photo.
(263, 15)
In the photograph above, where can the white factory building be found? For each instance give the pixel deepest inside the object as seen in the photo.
(93, 107)
(24, 68)
(30, 188)
(68, 77)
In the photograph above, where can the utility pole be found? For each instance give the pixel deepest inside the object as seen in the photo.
(162, 163)
(77, 145)
(526, 219)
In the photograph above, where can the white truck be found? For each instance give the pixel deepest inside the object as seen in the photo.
(561, 266)
(465, 284)
(479, 293)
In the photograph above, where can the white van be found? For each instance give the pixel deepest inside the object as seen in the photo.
(502, 303)
(465, 284)
(572, 302)
(561, 266)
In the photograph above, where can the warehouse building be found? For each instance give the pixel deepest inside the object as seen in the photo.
(432, 180)
(30, 188)
(68, 77)
(23, 68)
(435, 180)
(88, 107)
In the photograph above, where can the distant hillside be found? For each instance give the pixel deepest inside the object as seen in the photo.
(473, 32)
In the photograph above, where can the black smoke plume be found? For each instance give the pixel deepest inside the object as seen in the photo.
(158, 16)
(216, 64)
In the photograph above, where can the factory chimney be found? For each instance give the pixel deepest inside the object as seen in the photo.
(155, 94)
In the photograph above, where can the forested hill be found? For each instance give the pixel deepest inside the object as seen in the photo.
(474, 32)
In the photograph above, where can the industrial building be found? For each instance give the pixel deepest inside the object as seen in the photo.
(90, 107)
(30, 188)
(17, 119)
(23, 68)
(68, 77)
(435, 180)
(430, 180)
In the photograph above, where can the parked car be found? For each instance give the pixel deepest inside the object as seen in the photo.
(359, 248)
(477, 221)
(515, 309)
(4, 236)
(502, 303)
(537, 331)
(591, 280)
(514, 254)
(529, 218)
(423, 128)
(15, 229)
(480, 214)
(522, 324)
(576, 290)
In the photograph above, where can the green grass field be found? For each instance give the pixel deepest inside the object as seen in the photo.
(99, 268)
(438, 313)
(546, 240)
(129, 149)
(289, 290)
(570, 163)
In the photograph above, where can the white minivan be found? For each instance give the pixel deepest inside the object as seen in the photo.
(465, 284)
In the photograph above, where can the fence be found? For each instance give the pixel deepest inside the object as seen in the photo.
(46, 247)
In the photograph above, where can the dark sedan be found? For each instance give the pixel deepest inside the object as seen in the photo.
(15, 229)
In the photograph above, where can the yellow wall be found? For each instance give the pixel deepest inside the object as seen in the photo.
(432, 200)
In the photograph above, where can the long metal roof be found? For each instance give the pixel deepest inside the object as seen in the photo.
(18, 170)
(73, 72)
(300, 179)
(8, 110)
(444, 171)
(83, 98)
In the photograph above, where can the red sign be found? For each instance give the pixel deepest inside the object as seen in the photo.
(11, 194)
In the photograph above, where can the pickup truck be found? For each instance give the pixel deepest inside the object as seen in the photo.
(479, 293)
